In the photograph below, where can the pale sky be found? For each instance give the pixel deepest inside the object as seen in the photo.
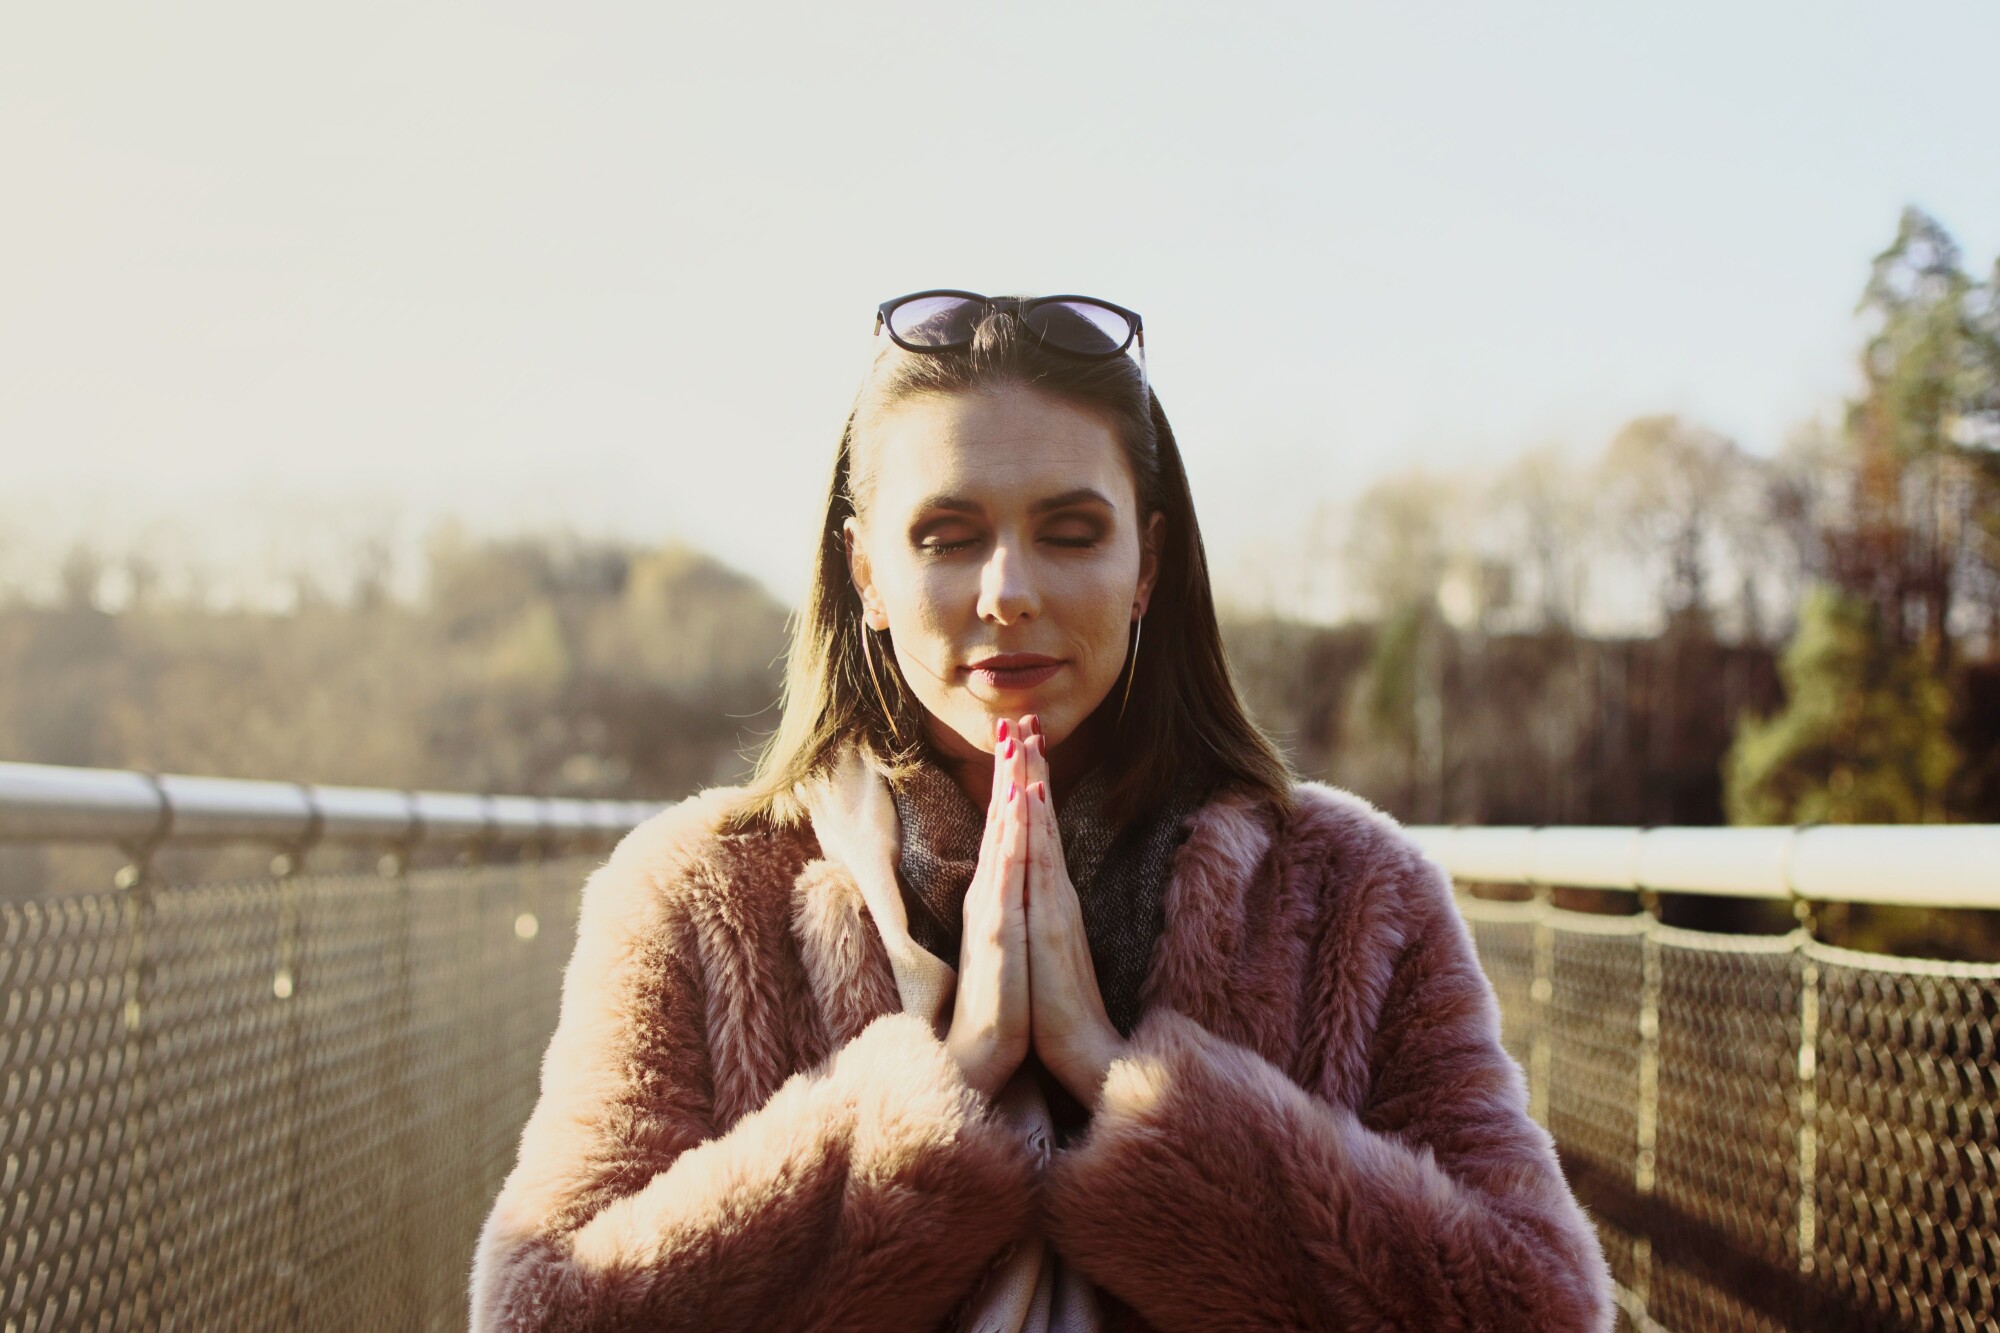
(275, 277)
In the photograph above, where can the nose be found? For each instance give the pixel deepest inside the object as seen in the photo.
(1006, 591)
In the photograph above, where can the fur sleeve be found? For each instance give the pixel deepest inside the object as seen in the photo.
(867, 1192)
(1213, 1192)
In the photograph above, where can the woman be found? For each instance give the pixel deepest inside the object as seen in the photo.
(1023, 988)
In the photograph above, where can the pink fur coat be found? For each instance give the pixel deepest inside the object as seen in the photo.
(1315, 1126)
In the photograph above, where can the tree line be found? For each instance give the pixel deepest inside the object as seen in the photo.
(1808, 635)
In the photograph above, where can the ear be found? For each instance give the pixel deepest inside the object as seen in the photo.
(861, 576)
(1150, 543)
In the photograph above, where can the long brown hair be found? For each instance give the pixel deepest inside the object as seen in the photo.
(1183, 711)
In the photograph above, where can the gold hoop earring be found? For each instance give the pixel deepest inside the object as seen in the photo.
(1137, 626)
(868, 655)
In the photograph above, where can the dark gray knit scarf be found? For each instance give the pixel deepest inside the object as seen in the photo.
(1120, 873)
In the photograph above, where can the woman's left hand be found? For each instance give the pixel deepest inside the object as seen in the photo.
(1073, 1034)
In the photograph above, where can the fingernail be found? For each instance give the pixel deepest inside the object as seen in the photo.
(1001, 734)
(1010, 791)
(1007, 750)
(1042, 792)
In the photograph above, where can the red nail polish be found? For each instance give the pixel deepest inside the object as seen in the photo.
(1001, 734)
(1007, 750)
(1010, 791)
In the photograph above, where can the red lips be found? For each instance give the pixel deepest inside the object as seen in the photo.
(1014, 671)
(1010, 661)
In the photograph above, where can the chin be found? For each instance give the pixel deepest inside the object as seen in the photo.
(975, 726)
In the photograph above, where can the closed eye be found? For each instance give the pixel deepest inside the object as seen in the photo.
(945, 548)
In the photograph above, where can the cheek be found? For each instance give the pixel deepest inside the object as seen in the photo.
(943, 598)
(1096, 605)
(1112, 631)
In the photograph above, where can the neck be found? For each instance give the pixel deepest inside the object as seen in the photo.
(972, 768)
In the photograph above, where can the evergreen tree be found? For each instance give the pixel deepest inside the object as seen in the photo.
(1924, 433)
(1862, 736)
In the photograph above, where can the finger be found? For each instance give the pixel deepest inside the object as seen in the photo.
(1017, 764)
(1029, 814)
(1010, 774)
(1046, 837)
(1039, 785)
(1003, 731)
(1043, 839)
(989, 834)
(1013, 884)
(1048, 774)
(984, 897)
(1037, 746)
(1003, 764)
(989, 838)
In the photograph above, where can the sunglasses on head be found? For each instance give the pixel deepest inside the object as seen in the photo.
(943, 320)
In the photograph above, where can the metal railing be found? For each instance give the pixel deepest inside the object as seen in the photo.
(284, 1101)
(142, 811)
(1770, 1132)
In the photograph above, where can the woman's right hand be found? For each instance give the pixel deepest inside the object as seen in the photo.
(990, 1034)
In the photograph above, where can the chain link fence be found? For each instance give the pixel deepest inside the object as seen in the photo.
(287, 1101)
(1770, 1132)
(271, 1103)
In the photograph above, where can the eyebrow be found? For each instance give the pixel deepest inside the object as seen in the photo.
(960, 504)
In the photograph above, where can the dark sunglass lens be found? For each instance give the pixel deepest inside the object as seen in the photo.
(935, 321)
(1080, 326)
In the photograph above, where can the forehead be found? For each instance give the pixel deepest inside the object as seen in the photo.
(998, 447)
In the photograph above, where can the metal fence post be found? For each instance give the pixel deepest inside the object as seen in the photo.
(1807, 1066)
(285, 984)
(1646, 1121)
(136, 880)
(395, 866)
(1541, 992)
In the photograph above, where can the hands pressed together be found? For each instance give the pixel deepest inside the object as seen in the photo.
(1025, 979)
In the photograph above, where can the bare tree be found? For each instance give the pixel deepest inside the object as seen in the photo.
(1542, 518)
(1674, 492)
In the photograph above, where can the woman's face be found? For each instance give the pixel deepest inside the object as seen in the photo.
(1000, 544)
